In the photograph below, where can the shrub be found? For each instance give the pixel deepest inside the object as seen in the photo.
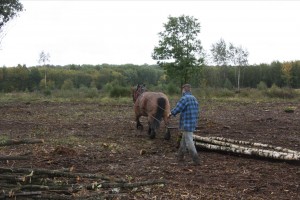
(224, 93)
(67, 85)
(284, 93)
(262, 86)
(228, 84)
(172, 89)
(119, 91)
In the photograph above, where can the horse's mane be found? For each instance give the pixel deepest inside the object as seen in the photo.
(138, 90)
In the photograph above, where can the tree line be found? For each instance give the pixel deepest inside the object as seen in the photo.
(22, 78)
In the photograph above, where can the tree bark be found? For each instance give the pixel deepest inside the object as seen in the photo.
(210, 143)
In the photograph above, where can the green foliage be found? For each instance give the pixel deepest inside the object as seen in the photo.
(86, 92)
(179, 52)
(67, 85)
(120, 91)
(262, 86)
(228, 84)
(290, 109)
(47, 92)
(225, 93)
(172, 89)
(8, 10)
(283, 93)
(105, 78)
(219, 52)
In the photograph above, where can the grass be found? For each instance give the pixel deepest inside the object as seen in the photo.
(203, 94)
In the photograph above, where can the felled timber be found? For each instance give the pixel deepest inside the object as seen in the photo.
(58, 184)
(217, 144)
(255, 144)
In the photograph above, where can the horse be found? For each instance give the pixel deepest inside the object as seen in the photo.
(153, 105)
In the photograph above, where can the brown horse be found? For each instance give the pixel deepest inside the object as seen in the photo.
(154, 105)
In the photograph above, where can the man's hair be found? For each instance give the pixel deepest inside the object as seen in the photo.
(187, 87)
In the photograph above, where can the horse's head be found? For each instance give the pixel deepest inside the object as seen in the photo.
(137, 91)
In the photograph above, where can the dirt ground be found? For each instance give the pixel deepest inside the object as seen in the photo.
(102, 139)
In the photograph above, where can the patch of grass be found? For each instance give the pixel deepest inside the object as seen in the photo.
(290, 109)
(68, 140)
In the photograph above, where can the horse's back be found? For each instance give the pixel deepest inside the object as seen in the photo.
(148, 101)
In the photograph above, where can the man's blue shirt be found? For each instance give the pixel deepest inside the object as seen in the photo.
(188, 107)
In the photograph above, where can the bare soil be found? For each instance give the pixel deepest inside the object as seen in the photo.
(102, 139)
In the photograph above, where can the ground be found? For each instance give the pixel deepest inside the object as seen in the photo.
(102, 139)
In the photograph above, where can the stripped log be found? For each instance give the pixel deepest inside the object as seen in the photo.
(256, 144)
(213, 144)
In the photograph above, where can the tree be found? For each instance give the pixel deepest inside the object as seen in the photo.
(43, 59)
(238, 57)
(179, 51)
(219, 52)
(8, 10)
(286, 69)
(224, 54)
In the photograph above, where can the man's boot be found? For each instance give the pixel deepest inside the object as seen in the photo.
(180, 156)
(196, 160)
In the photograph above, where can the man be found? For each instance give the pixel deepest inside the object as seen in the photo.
(188, 107)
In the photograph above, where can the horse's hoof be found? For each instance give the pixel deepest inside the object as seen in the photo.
(167, 135)
(152, 136)
(140, 127)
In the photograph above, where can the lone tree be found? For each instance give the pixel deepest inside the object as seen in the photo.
(8, 10)
(43, 59)
(179, 51)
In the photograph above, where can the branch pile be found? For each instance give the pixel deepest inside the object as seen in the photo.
(24, 183)
(58, 184)
(246, 148)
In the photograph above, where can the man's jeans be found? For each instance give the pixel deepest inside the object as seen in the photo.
(187, 143)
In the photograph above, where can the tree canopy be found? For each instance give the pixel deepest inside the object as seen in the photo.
(8, 10)
(179, 50)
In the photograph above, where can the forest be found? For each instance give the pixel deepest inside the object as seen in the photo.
(106, 77)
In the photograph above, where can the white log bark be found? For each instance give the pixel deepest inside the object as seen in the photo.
(210, 143)
(256, 144)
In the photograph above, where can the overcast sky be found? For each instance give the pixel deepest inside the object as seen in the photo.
(122, 32)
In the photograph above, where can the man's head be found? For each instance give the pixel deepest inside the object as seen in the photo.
(186, 88)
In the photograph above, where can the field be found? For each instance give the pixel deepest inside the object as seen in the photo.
(99, 138)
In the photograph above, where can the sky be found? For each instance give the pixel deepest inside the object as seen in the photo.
(126, 32)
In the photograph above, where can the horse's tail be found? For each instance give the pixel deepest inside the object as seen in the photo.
(161, 105)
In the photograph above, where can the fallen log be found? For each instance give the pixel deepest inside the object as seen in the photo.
(250, 151)
(4, 195)
(53, 173)
(21, 141)
(49, 183)
(126, 185)
(256, 144)
(209, 143)
(14, 158)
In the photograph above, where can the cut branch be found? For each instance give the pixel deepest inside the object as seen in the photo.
(22, 141)
(13, 158)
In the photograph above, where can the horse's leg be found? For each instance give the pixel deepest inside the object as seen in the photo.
(153, 133)
(167, 133)
(138, 123)
(151, 130)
